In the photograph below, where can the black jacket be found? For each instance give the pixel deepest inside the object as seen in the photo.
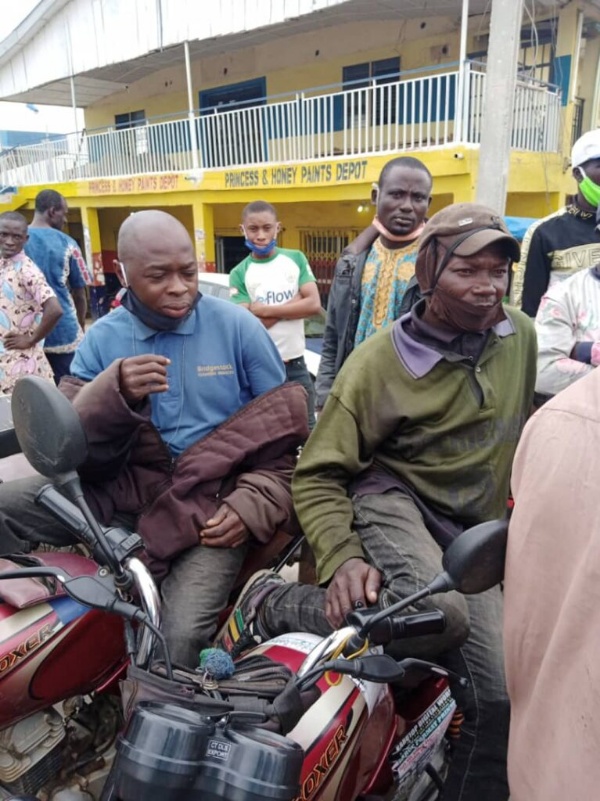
(343, 310)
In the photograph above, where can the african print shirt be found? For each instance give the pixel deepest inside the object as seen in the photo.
(384, 281)
(23, 292)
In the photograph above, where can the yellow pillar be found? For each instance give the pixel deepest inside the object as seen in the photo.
(568, 44)
(92, 244)
(204, 235)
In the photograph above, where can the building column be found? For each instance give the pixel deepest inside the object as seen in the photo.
(566, 65)
(589, 83)
(498, 106)
(204, 235)
(92, 244)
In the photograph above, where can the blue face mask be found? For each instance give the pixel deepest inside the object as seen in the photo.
(264, 251)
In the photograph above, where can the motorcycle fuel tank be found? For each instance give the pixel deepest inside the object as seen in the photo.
(54, 650)
(345, 734)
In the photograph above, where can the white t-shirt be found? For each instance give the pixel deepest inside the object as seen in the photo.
(274, 281)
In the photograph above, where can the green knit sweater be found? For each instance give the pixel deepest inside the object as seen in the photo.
(435, 433)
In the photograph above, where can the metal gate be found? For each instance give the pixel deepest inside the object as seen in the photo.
(322, 248)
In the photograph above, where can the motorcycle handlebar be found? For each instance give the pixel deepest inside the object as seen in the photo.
(405, 627)
(385, 630)
(68, 514)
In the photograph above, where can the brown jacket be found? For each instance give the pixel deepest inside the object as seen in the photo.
(248, 461)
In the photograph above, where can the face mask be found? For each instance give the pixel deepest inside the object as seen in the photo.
(459, 315)
(266, 250)
(151, 318)
(589, 190)
(397, 237)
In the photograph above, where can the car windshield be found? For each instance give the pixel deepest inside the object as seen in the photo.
(209, 288)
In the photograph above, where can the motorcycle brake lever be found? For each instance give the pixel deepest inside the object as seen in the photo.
(424, 668)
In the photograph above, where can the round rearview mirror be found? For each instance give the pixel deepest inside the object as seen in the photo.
(474, 562)
(48, 427)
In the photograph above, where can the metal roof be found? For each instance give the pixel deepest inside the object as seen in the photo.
(95, 84)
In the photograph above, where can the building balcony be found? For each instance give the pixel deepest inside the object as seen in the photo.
(429, 109)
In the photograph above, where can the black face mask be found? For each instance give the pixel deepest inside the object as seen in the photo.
(151, 318)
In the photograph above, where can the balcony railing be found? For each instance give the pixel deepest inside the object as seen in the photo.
(427, 111)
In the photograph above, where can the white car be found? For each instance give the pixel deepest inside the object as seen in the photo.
(217, 284)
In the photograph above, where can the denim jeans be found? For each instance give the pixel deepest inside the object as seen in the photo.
(194, 592)
(396, 542)
(296, 370)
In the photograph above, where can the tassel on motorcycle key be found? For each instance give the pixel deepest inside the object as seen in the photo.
(215, 665)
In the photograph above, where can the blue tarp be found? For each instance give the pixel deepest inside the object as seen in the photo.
(519, 225)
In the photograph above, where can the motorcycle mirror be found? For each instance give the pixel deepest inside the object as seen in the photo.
(48, 427)
(474, 562)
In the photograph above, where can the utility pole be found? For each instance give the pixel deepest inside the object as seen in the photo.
(498, 105)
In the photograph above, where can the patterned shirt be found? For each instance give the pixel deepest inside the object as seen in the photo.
(384, 281)
(60, 260)
(23, 292)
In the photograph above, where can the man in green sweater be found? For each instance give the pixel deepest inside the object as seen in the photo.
(414, 445)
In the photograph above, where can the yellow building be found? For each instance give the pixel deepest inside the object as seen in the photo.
(295, 102)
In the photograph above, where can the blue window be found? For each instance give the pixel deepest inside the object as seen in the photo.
(224, 141)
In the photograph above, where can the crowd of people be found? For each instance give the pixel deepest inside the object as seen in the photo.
(196, 409)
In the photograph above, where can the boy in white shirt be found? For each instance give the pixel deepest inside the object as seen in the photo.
(278, 286)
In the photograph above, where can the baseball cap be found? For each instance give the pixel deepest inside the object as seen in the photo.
(467, 228)
(587, 147)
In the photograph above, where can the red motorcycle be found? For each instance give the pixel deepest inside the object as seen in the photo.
(71, 627)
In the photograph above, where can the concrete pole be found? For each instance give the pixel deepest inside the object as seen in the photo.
(74, 104)
(462, 61)
(191, 119)
(498, 105)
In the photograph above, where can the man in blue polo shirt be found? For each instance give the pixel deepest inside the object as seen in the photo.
(59, 258)
(192, 437)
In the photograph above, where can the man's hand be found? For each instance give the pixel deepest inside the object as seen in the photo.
(16, 341)
(354, 583)
(142, 375)
(224, 530)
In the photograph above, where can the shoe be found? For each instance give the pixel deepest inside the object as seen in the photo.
(243, 629)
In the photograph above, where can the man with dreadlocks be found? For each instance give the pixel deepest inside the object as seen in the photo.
(414, 445)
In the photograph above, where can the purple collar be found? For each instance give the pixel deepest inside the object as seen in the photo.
(418, 358)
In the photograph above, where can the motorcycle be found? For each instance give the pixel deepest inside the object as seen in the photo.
(62, 626)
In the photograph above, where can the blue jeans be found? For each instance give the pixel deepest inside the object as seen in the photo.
(396, 542)
(194, 592)
(296, 370)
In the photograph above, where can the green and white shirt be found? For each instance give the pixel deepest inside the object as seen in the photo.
(274, 281)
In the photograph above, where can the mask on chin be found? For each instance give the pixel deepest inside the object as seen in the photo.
(151, 318)
(461, 316)
(266, 250)
(589, 189)
(397, 237)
